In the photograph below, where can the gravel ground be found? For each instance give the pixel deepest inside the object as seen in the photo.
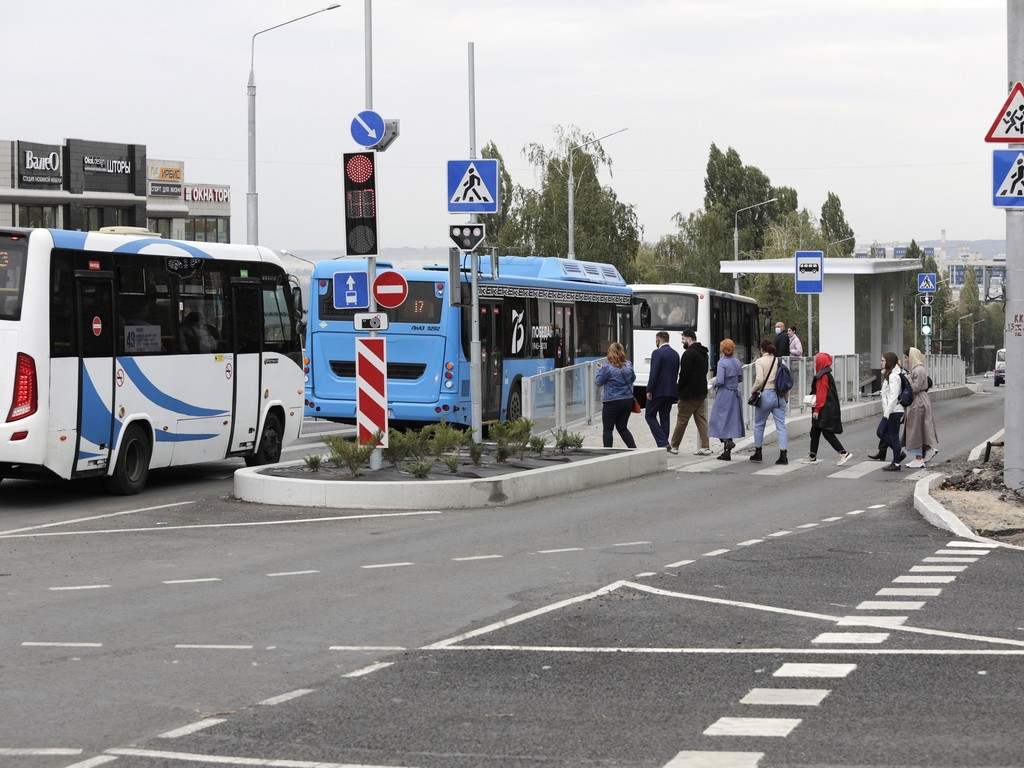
(975, 493)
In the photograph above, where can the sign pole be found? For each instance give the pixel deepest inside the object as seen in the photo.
(1013, 457)
(475, 362)
(810, 325)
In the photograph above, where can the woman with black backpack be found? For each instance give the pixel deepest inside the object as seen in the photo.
(892, 409)
(826, 417)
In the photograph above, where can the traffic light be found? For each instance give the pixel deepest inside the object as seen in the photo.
(926, 321)
(360, 204)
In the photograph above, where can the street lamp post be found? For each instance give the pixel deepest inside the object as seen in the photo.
(958, 321)
(736, 238)
(572, 191)
(252, 211)
(974, 344)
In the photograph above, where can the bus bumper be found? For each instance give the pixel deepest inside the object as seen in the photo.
(450, 409)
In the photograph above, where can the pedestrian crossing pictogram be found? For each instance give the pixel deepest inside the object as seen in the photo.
(1013, 183)
(1008, 178)
(471, 188)
(474, 186)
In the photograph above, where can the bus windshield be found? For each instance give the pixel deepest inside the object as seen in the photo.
(423, 305)
(13, 250)
(667, 311)
(1001, 356)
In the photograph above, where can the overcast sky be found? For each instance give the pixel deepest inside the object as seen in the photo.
(885, 102)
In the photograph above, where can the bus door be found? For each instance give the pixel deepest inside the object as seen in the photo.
(565, 337)
(94, 315)
(247, 335)
(491, 336)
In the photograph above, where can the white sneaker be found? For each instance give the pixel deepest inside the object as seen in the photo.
(916, 464)
(809, 460)
(844, 458)
(930, 454)
(702, 452)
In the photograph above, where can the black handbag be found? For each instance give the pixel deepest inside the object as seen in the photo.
(755, 397)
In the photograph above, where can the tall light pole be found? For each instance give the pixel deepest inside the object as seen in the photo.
(958, 321)
(252, 207)
(736, 238)
(572, 190)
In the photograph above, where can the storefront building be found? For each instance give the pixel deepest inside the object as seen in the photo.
(86, 185)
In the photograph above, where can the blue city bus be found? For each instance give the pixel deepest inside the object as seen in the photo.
(539, 314)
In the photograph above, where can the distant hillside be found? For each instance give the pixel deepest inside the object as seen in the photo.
(987, 248)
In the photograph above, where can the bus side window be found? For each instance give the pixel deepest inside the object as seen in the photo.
(201, 315)
(278, 330)
(62, 307)
(641, 314)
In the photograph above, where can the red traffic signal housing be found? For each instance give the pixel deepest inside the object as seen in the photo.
(360, 204)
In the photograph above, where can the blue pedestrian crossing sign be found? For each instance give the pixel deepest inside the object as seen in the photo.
(809, 271)
(351, 290)
(927, 282)
(367, 128)
(473, 186)
(1008, 178)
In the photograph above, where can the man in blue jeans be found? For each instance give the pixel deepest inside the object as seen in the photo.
(662, 390)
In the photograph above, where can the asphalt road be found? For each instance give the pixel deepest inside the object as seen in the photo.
(636, 625)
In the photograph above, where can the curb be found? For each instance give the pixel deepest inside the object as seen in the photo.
(528, 485)
(935, 514)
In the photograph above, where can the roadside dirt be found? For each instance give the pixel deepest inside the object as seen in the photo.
(975, 493)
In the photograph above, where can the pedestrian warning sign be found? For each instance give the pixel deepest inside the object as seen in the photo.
(1008, 127)
(927, 282)
(473, 186)
(1008, 178)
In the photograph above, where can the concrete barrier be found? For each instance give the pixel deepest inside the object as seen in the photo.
(252, 485)
(934, 513)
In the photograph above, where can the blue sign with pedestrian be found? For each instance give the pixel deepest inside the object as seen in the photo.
(473, 186)
(368, 128)
(927, 282)
(810, 271)
(1008, 178)
(351, 290)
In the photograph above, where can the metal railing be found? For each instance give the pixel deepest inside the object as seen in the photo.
(845, 371)
(946, 370)
(562, 397)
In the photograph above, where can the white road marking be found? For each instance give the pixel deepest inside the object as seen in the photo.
(924, 579)
(808, 525)
(876, 506)
(387, 565)
(524, 616)
(83, 586)
(693, 759)
(786, 697)
(741, 651)
(94, 517)
(949, 560)
(556, 551)
(476, 557)
(645, 574)
(779, 469)
(47, 644)
(889, 605)
(704, 466)
(254, 523)
(749, 542)
(291, 573)
(191, 581)
(213, 647)
(273, 701)
(679, 563)
(831, 519)
(92, 762)
(975, 544)
(857, 471)
(752, 726)
(915, 476)
(909, 592)
(715, 553)
(367, 648)
(13, 751)
(961, 552)
(872, 621)
(780, 533)
(851, 638)
(185, 730)
(938, 568)
(791, 669)
(369, 669)
(630, 543)
(256, 762)
(856, 512)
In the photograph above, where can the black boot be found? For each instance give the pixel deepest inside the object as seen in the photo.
(726, 454)
(756, 455)
(783, 459)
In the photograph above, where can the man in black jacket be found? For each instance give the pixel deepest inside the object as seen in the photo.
(693, 394)
(781, 340)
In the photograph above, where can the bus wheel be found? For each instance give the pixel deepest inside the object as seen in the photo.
(269, 450)
(132, 468)
(515, 404)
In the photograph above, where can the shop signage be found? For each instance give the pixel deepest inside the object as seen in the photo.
(205, 194)
(96, 164)
(164, 189)
(164, 173)
(40, 166)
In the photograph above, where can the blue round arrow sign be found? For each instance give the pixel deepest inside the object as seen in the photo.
(368, 128)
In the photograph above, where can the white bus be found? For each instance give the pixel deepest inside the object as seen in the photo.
(713, 315)
(120, 354)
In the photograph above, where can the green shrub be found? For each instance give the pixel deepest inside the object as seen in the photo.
(566, 441)
(537, 444)
(313, 461)
(351, 455)
(421, 468)
(399, 447)
(451, 460)
(444, 438)
(502, 451)
(476, 453)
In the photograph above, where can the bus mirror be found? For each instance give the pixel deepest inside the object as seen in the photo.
(297, 307)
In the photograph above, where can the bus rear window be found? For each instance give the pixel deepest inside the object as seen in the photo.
(13, 250)
(665, 311)
(422, 306)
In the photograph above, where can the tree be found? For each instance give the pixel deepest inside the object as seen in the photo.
(502, 229)
(835, 228)
(730, 186)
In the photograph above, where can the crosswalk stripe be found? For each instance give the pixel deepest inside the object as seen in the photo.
(919, 475)
(861, 621)
(975, 544)
(752, 726)
(710, 759)
(924, 579)
(851, 638)
(797, 669)
(949, 560)
(909, 592)
(958, 552)
(781, 469)
(704, 466)
(938, 568)
(857, 471)
(890, 605)
(786, 697)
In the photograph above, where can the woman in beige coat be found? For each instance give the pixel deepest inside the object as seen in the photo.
(921, 440)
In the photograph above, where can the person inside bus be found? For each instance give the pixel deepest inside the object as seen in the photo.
(675, 317)
(196, 336)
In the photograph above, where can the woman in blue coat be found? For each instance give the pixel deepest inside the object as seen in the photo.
(726, 420)
(617, 377)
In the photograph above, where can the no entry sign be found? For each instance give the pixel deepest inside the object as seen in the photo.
(371, 389)
(390, 289)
